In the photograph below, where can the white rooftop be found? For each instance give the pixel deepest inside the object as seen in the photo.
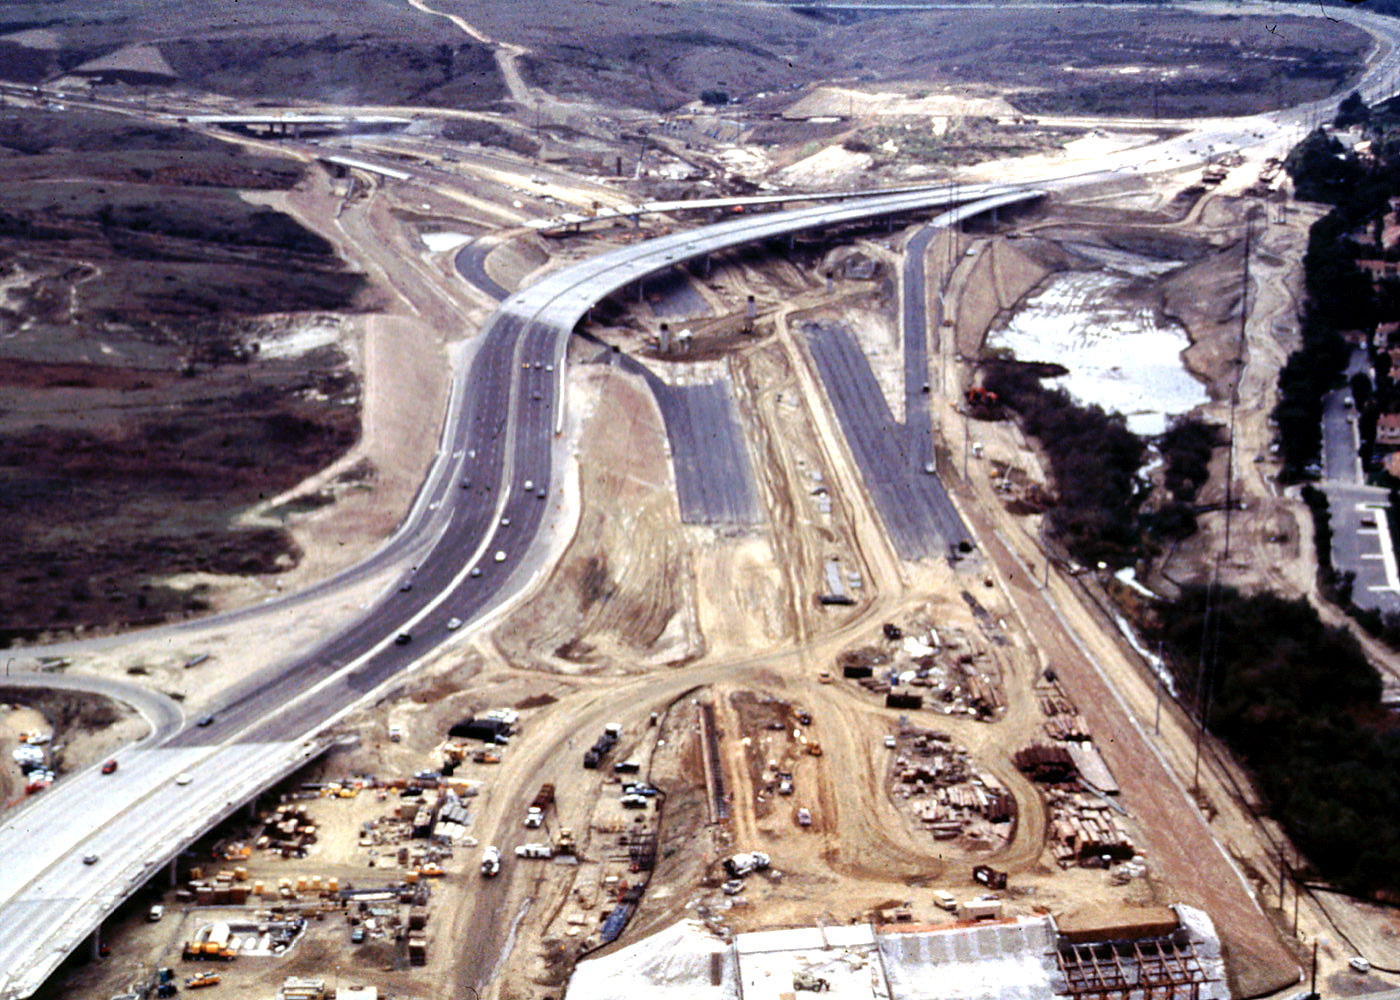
(1010, 961)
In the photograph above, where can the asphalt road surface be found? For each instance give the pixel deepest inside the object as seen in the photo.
(919, 516)
(709, 456)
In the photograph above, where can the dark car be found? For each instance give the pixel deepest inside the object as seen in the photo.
(89, 859)
(109, 767)
(403, 639)
(204, 720)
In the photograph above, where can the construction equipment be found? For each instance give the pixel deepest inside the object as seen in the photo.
(202, 980)
(979, 398)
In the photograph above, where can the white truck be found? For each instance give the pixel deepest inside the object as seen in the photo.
(491, 861)
(739, 865)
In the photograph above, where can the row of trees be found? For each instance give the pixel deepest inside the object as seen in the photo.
(1341, 296)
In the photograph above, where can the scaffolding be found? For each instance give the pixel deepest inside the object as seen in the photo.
(1159, 968)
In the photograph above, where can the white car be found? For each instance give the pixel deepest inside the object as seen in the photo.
(453, 624)
(529, 485)
(476, 571)
(499, 556)
(183, 778)
(505, 522)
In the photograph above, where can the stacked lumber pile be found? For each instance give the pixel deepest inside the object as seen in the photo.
(1083, 827)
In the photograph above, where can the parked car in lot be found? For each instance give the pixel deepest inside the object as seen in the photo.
(732, 887)
(155, 913)
(357, 936)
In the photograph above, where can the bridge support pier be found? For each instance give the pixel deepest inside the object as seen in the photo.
(96, 943)
(174, 871)
(641, 291)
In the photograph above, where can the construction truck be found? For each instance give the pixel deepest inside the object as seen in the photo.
(491, 861)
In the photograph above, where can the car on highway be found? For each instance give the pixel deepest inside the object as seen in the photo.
(529, 485)
(930, 469)
(204, 720)
(183, 778)
(542, 493)
(499, 556)
(476, 571)
(406, 586)
(505, 522)
(403, 638)
(549, 368)
(109, 767)
(453, 624)
(89, 859)
(466, 484)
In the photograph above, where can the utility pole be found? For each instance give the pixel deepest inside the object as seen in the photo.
(1235, 389)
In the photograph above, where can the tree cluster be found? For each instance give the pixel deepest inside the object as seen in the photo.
(1297, 701)
(1093, 458)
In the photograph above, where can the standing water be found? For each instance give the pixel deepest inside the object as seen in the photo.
(1118, 354)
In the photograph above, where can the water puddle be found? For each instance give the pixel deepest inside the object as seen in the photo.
(1118, 354)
